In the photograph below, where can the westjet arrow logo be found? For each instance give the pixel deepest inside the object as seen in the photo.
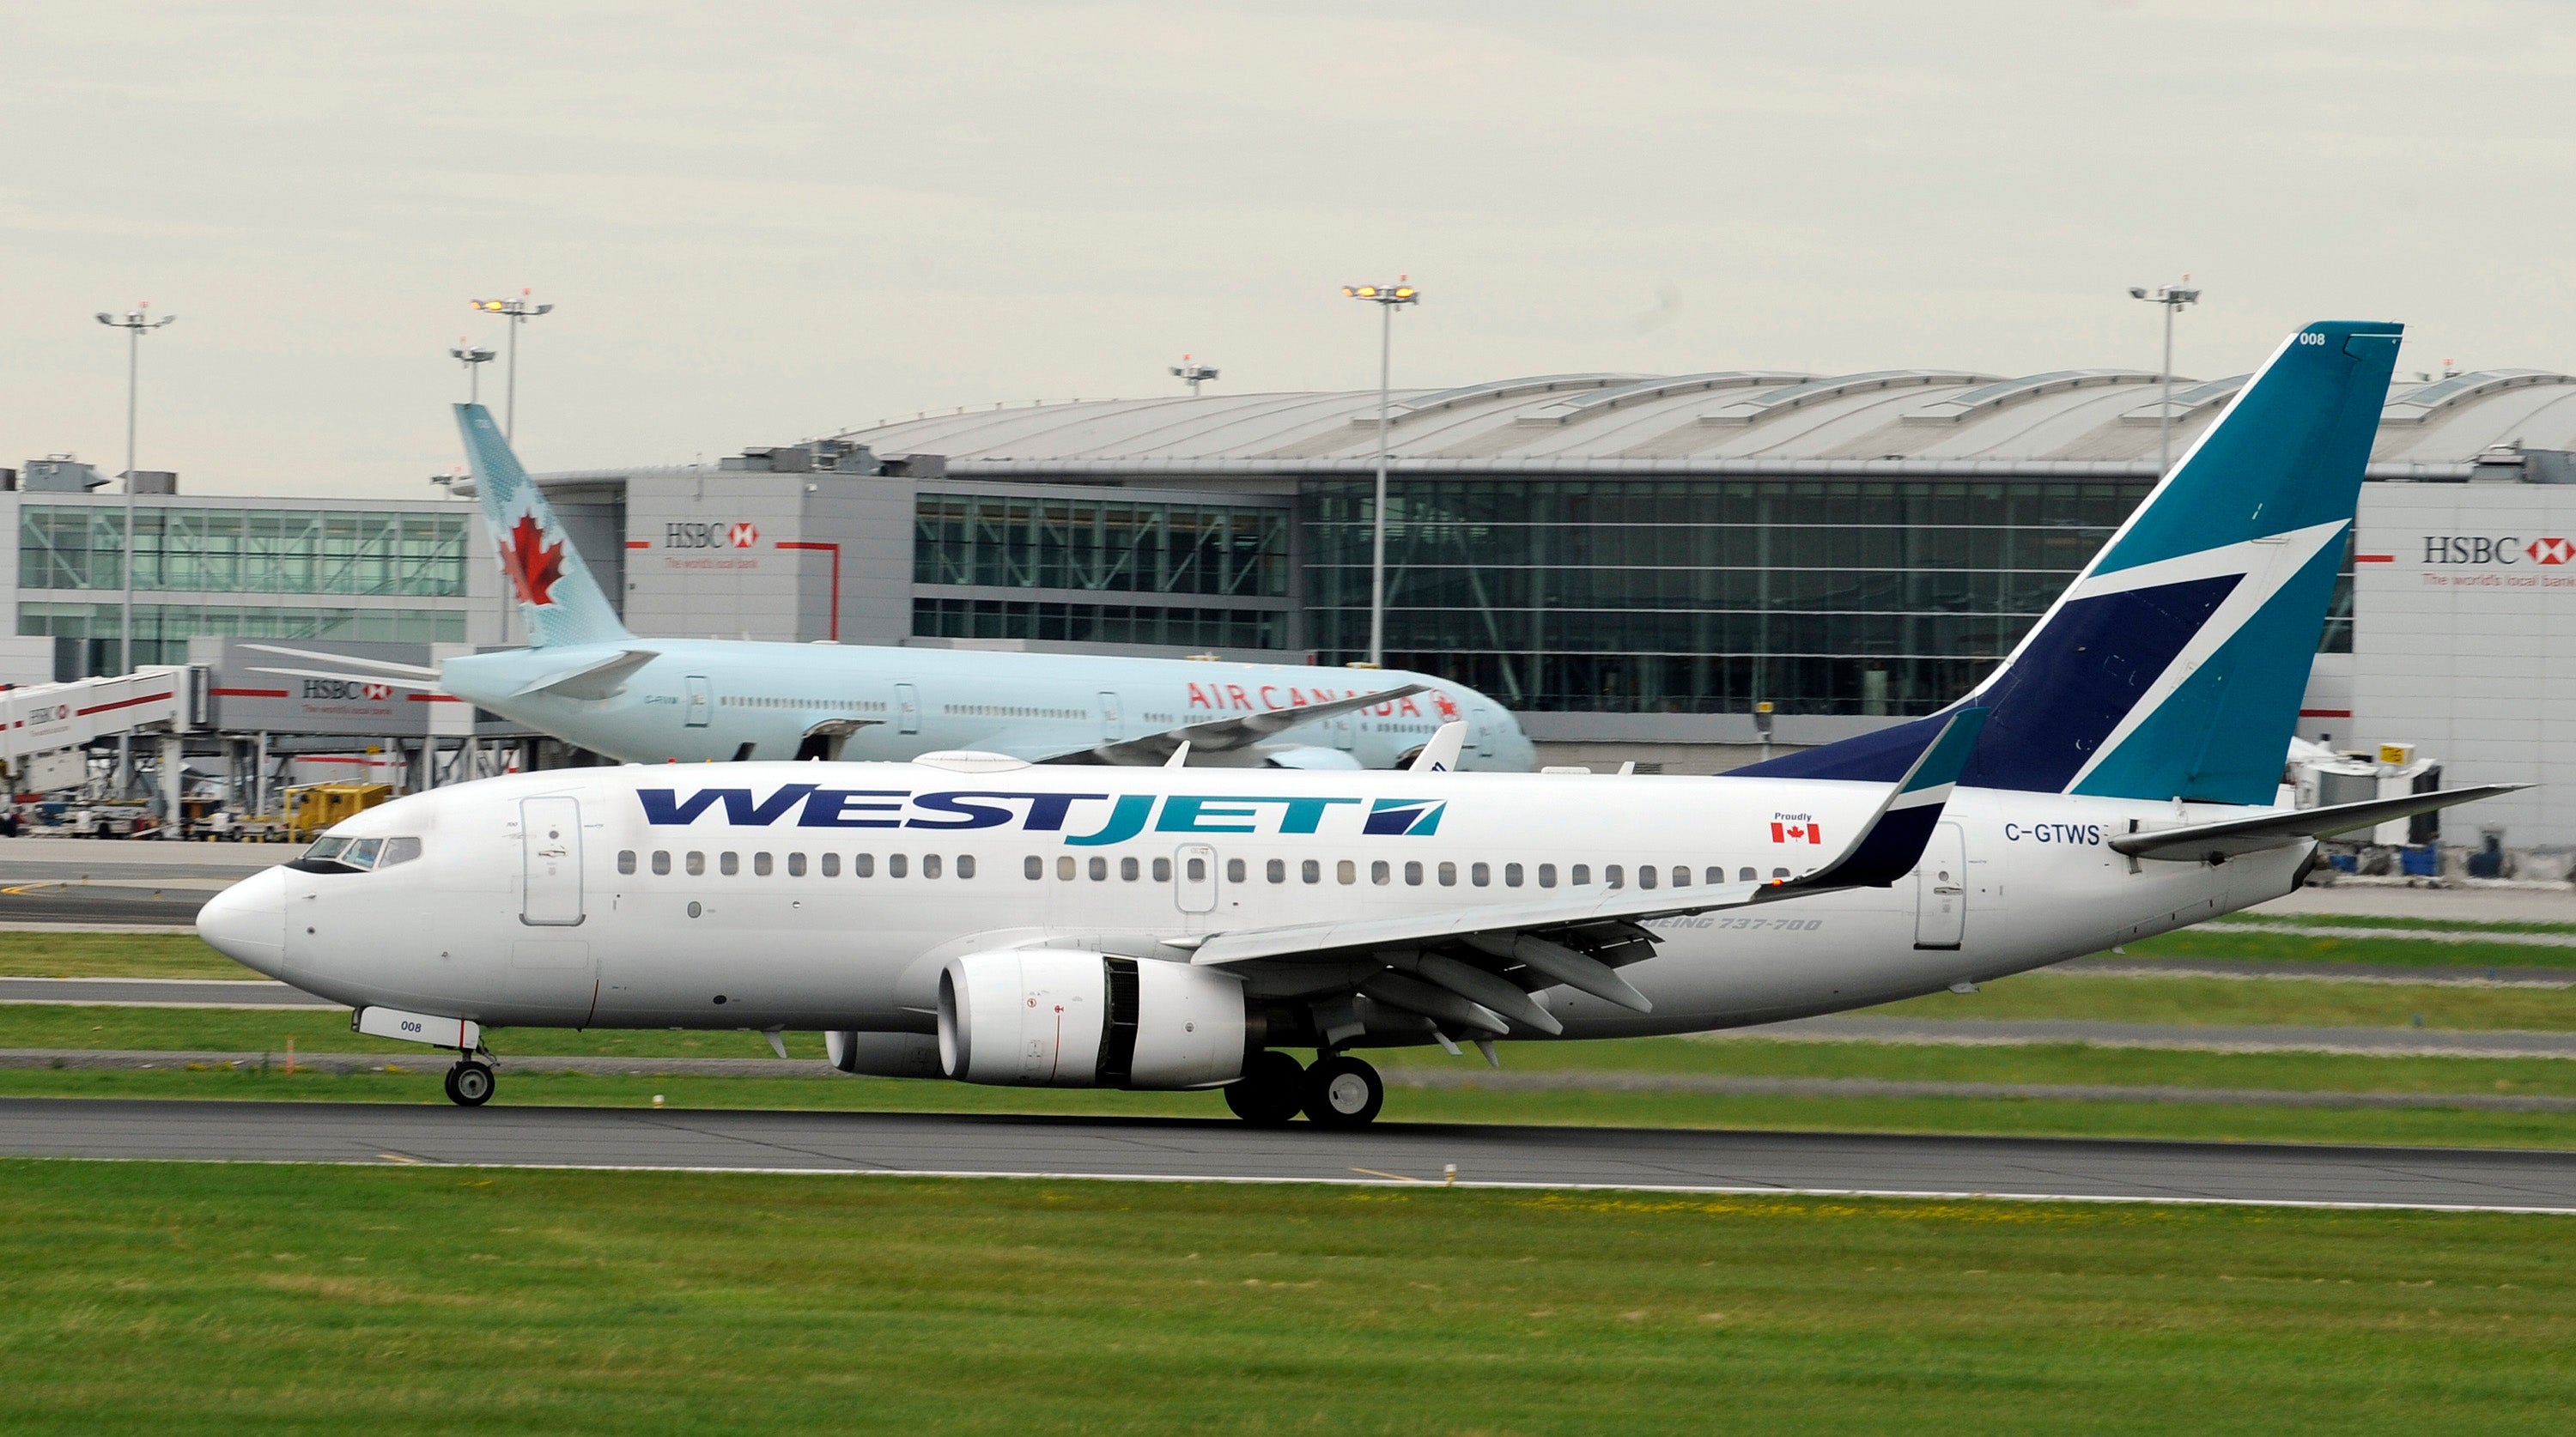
(1078, 816)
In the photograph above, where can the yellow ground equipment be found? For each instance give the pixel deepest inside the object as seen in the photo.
(313, 807)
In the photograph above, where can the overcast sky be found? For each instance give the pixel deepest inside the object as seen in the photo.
(762, 221)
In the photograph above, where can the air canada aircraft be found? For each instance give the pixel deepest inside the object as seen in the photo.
(588, 681)
(974, 917)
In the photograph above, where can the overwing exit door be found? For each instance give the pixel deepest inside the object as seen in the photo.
(702, 702)
(1113, 727)
(1194, 878)
(907, 709)
(1941, 889)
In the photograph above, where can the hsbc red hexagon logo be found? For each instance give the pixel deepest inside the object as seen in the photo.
(379, 692)
(2550, 551)
(743, 535)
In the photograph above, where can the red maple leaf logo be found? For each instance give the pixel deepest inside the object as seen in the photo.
(531, 562)
(1448, 706)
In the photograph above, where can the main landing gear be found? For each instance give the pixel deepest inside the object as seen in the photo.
(469, 1083)
(1339, 1091)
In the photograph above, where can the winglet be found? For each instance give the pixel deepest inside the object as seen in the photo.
(1893, 842)
(1441, 754)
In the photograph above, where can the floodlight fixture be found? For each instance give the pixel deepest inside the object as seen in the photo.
(1388, 298)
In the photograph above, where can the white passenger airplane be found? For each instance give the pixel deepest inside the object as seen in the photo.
(976, 917)
(589, 682)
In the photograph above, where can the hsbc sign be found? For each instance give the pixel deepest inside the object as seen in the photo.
(736, 534)
(2454, 550)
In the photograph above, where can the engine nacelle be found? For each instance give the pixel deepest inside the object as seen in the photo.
(1056, 1018)
(884, 1055)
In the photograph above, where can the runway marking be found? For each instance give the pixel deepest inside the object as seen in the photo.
(1686, 1189)
(399, 1158)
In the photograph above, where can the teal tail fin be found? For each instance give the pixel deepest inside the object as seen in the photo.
(2173, 666)
(562, 603)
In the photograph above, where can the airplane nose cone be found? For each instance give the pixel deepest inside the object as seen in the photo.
(247, 922)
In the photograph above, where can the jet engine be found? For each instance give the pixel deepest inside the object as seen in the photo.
(1056, 1018)
(883, 1055)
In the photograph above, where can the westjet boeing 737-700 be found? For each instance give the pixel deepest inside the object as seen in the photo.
(975, 917)
(588, 681)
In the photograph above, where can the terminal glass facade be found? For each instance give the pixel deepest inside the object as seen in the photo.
(243, 551)
(1839, 596)
(1101, 544)
(988, 618)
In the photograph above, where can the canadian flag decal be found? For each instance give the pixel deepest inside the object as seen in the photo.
(1795, 830)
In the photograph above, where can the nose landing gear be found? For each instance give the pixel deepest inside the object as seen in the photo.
(469, 1083)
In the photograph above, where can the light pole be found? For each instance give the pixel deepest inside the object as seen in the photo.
(518, 310)
(1388, 298)
(1192, 373)
(136, 324)
(2170, 298)
(473, 359)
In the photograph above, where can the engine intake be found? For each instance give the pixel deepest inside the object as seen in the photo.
(1054, 1018)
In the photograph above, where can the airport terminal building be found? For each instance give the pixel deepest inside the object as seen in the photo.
(1632, 562)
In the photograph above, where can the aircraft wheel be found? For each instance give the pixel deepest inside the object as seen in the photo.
(469, 1083)
(1271, 1090)
(1343, 1092)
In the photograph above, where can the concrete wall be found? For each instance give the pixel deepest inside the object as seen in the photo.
(2464, 606)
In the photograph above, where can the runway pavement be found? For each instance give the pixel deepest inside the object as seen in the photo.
(160, 993)
(1164, 1149)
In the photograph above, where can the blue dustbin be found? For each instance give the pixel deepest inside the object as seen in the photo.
(2422, 860)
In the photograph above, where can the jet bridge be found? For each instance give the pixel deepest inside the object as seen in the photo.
(45, 729)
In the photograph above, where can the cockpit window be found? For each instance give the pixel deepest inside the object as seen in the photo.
(357, 855)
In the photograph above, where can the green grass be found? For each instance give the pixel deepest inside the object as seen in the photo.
(2446, 925)
(2250, 942)
(27, 954)
(2239, 1001)
(326, 1030)
(161, 1298)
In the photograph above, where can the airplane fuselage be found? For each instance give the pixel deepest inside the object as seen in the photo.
(701, 700)
(828, 896)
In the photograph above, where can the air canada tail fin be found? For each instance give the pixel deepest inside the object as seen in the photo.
(2173, 666)
(561, 602)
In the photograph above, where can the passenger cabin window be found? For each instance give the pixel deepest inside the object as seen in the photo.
(1547, 875)
(1580, 875)
(1162, 870)
(1130, 870)
(1099, 869)
(1064, 868)
(1197, 868)
(697, 864)
(1448, 875)
(831, 865)
(1311, 871)
(1747, 875)
(1511, 875)
(863, 865)
(930, 865)
(661, 862)
(1379, 873)
(1614, 876)
(1480, 874)
(1645, 875)
(1278, 870)
(729, 864)
(1413, 874)
(626, 860)
(894, 865)
(1034, 867)
(965, 865)
(1346, 872)
(1681, 875)
(1779, 873)
(1234, 870)
(796, 865)
(760, 865)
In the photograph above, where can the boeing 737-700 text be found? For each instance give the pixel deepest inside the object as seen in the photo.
(974, 917)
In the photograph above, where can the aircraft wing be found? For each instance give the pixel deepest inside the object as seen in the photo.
(1221, 735)
(1475, 967)
(2229, 837)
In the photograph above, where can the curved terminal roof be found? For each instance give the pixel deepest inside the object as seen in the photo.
(2063, 422)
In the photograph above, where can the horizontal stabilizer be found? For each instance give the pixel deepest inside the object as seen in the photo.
(597, 678)
(2202, 842)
